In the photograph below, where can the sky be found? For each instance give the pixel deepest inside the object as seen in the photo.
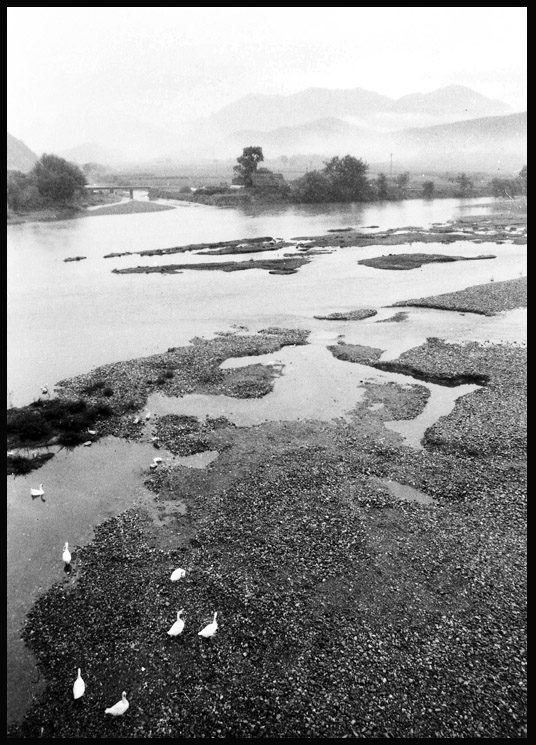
(69, 70)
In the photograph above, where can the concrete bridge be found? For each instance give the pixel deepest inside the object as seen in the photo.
(117, 187)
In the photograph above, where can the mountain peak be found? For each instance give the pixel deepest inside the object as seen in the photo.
(19, 155)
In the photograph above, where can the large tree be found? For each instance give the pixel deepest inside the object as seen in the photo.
(341, 180)
(465, 185)
(248, 162)
(56, 178)
(348, 178)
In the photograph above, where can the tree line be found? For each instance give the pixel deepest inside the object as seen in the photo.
(53, 181)
(346, 180)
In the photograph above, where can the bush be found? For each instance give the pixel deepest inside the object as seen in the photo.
(42, 420)
(22, 192)
(57, 179)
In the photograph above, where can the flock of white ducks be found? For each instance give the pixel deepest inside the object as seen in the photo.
(118, 709)
(79, 686)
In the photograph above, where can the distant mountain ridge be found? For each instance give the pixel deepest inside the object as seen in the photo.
(357, 105)
(486, 143)
(317, 121)
(19, 155)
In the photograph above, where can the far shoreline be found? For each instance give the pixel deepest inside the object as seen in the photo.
(115, 207)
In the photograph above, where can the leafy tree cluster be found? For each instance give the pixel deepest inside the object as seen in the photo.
(22, 192)
(502, 187)
(247, 163)
(341, 180)
(57, 179)
(53, 180)
(465, 185)
(385, 188)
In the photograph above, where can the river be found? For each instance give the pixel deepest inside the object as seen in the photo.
(65, 318)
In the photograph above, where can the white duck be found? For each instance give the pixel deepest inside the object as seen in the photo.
(37, 492)
(211, 629)
(119, 708)
(66, 555)
(79, 686)
(177, 574)
(178, 626)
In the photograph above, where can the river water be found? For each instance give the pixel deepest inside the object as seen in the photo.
(65, 318)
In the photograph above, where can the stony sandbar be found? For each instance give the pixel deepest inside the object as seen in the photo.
(487, 300)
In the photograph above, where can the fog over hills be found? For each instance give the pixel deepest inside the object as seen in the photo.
(449, 128)
(486, 144)
(358, 106)
(495, 143)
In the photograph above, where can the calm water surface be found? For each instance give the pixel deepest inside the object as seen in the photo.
(67, 318)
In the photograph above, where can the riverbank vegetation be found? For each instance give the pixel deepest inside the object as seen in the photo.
(52, 182)
(342, 179)
(47, 422)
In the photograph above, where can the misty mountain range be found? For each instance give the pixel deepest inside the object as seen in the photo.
(450, 128)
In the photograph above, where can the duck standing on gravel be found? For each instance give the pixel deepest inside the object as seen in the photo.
(178, 626)
(211, 629)
(79, 686)
(119, 708)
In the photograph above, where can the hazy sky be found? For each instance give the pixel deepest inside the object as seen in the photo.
(70, 68)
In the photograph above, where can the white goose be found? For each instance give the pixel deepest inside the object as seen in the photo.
(211, 629)
(177, 574)
(79, 686)
(119, 708)
(178, 626)
(37, 492)
(66, 555)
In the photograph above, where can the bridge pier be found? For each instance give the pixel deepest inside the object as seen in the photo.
(131, 193)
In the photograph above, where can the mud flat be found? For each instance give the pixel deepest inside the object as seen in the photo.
(343, 611)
